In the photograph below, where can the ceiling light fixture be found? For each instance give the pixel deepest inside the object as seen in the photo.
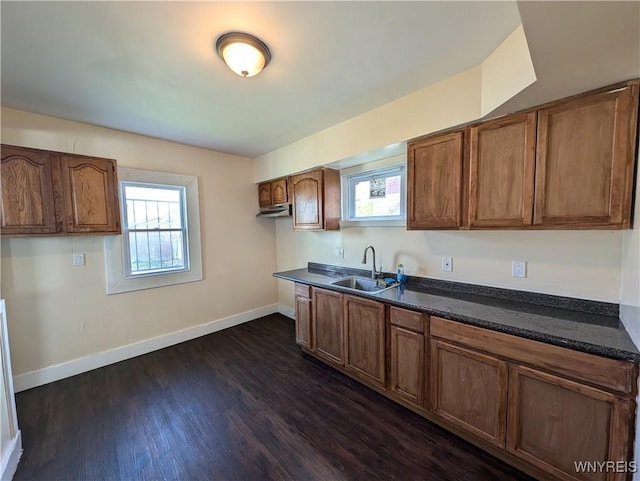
(245, 54)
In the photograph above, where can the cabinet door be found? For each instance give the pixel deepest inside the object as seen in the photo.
(27, 191)
(279, 191)
(365, 338)
(91, 191)
(303, 321)
(327, 327)
(469, 390)
(307, 200)
(407, 372)
(554, 423)
(264, 194)
(434, 167)
(501, 171)
(584, 160)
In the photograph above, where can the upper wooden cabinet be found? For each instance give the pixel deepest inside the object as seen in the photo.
(51, 193)
(273, 193)
(91, 194)
(316, 200)
(434, 182)
(501, 171)
(572, 168)
(584, 160)
(27, 192)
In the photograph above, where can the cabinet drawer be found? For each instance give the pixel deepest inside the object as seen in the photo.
(608, 373)
(410, 320)
(302, 290)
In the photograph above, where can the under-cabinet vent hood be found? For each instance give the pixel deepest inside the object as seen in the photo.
(275, 211)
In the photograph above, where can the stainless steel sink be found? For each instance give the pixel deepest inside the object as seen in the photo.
(363, 284)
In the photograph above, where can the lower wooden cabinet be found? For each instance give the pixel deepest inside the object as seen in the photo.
(555, 423)
(544, 408)
(365, 329)
(469, 389)
(303, 316)
(407, 355)
(327, 326)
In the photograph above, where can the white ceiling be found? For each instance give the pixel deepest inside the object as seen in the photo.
(150, 67)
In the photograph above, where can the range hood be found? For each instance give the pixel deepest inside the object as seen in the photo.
(275, 211)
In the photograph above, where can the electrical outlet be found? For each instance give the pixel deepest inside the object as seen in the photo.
(447, 264)
(339, 252)
(518, 268)
(78, 260)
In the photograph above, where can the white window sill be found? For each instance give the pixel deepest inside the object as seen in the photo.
(373, 223)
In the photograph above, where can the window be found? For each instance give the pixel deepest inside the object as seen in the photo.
(155, 228)
(377, 197)
(160, 242)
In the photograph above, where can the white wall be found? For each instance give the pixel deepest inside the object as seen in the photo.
(59, 313)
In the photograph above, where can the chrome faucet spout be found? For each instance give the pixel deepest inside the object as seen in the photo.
(364, 260)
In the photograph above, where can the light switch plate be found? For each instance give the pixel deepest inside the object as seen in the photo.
(78, 260)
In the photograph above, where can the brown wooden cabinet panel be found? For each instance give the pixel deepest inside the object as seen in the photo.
(264, 194)
(91, 194)
(407, 372)
(585, 157)
(28, 205)
(279, 193)
(303, 321)
(316, 200)
(327, 326)
(501, 172)
(469, 390)
(365, 330)
(554, 422)
(434, 182)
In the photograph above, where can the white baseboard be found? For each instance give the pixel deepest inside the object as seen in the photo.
(287, 311)
(76, 366)
(10, 457)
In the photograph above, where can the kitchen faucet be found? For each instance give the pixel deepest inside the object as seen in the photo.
(364, 260)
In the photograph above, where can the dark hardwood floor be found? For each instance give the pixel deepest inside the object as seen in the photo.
(241, 404)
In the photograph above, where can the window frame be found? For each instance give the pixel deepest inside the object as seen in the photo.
(115, 247)
(349, 179)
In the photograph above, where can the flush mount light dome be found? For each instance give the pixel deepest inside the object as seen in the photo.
(245, 54)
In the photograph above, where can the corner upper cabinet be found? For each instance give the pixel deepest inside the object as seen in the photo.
(501, 172)
(91, 195)
(316, 200)
(264, 194)
(434, 183)
(27, 191)
(52, 193)
(584, 160)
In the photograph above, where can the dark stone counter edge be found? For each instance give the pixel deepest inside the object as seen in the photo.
(549, 300)
(524, 333)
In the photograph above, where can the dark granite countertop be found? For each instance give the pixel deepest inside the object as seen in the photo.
(583, 325)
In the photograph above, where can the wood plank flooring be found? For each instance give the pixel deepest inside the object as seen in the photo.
(241, 404)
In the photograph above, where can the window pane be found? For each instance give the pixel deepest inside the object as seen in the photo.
(378, 197)
(153, 251)
(153, 207)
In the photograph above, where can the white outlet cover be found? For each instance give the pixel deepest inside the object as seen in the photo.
(519, 269)
(447, 264)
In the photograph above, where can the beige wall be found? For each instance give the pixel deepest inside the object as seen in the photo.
(583, 264)
(59, 313)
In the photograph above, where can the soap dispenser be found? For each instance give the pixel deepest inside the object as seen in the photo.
(400, 277)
